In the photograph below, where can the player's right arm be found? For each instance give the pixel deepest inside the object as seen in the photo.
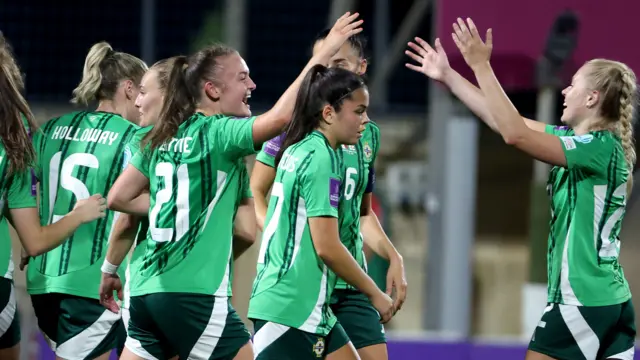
(434, 64)
(321, 193)
(23, 215)
(272, 122)
(126, 194)
(262, 177)
(121, 241)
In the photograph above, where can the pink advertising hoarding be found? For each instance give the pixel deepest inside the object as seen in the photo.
(520, 28)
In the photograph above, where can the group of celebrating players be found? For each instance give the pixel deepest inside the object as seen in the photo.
(166, 146)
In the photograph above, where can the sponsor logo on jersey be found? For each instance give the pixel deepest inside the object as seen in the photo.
(126, 157)
(334, 192)
(584, 139)
(367, 150)
(318, 347)
(349, 149)
(568, 142)
(273, 146)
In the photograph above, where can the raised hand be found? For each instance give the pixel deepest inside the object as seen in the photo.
(91, 208)
(473, 49)
(432, 63)
(345, 27)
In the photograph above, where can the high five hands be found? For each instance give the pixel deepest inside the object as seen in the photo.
(433, 61)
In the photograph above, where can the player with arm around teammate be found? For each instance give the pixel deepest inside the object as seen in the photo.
(589, 314)
(17, 156)
(180, 297)
(352, 308)
(130, 230)
(78, 154)
(301, 252)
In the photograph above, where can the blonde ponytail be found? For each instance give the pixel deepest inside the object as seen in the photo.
(88, 88)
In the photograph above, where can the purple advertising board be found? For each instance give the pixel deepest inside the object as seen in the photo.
(520, 29)
(417, 350)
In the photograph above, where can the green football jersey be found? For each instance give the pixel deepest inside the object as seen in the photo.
(293, 285)
(194, 185)
(137, 253)
(359, 178)
(588, 200)
(78, 155)
(16, 193)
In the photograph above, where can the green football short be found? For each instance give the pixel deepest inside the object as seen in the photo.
(193, 326)
(76, 327)
(569, 332)
(273, 341)
(9, 317)
(358, 317)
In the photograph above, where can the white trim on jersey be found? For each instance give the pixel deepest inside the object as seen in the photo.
(568, 296)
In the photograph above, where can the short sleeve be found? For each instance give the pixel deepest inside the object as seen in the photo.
(371, 181)
(321, 188)
(589, 151)
(558, 130)
(133, 147)
(20, 194)
(269, 151)
(245, 189)
(234, 137)
(140, 161)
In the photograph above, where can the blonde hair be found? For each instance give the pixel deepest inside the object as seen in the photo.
(616, 83)
(103, 71)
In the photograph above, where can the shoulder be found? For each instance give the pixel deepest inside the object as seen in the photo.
(373, 127)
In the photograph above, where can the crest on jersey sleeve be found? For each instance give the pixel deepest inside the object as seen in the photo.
(368, 152)
(334, 192)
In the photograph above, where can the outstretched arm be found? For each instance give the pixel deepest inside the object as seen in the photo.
(434, 63)
(542, 146)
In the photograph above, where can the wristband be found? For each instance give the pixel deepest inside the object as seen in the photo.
(109, 268)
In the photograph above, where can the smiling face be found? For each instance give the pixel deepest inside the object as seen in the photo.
(580, 100)
(236, 86)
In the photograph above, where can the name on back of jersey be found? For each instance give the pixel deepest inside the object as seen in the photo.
(288, 163)
(181, 145)
(84, 135)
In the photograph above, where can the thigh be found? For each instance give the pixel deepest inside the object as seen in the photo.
(358, 317)
(273, 341)
(199, 326)
(620, 342)
(86, 329)
(9, 317)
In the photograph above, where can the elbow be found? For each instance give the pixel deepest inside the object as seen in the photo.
(324, 252)
(33, 250)
(114, 202)
(245, 237)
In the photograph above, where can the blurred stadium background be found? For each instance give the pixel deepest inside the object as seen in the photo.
(467, 212)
